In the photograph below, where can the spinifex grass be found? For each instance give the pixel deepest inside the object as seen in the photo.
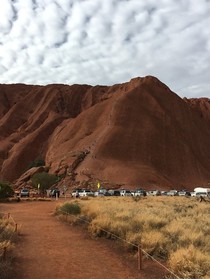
(174, 229)
(7, 238)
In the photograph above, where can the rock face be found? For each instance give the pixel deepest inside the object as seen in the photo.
(136, 134)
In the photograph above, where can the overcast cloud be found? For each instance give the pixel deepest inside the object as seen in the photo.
(106, 42)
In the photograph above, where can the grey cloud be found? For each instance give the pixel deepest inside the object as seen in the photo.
(2, 69)
(106, 42)
(6, 16)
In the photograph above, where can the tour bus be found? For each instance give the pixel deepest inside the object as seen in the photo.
(200, 191)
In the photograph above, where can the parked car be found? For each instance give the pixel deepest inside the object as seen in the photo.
(164, 193)
(200, 191)
(24, 193)
(124, 193)
(154, 193)
(193, 194)
(75, 193)
(140, 192)
(114, 192)
(184, 193)
(86, 193)
(101, 193)
(55, 193)
(172, 193)
(202, 194)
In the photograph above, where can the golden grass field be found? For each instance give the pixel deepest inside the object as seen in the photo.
(175, 230)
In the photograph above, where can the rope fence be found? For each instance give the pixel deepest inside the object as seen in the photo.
(138, 247)
(4, 248)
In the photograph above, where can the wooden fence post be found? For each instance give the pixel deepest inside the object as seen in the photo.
(4, 253)
(139, 257)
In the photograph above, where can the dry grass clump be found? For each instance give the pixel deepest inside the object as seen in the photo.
(168, 228)
(155, 244)
(7, 238)
(6, 230)
(102, 230)
(190, 263)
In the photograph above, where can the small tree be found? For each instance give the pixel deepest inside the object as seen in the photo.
(36, 163)
(43, 180)
(6, 189)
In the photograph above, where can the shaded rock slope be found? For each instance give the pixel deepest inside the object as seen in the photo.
(135, 134)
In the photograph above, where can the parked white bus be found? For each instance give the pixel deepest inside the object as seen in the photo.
(200, 191)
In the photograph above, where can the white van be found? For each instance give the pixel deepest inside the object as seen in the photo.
(86, 193)
(81, 193)
(200, 191)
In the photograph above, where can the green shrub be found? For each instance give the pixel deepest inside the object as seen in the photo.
(69, 208)
(6, 190)
(44, 179)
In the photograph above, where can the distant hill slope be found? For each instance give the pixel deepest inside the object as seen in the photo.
(136, 134)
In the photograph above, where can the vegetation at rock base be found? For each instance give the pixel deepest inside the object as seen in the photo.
(44, 180)
(175, 230)
(6, 189)
(36, 163)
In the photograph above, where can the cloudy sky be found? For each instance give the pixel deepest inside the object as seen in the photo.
(106, 42)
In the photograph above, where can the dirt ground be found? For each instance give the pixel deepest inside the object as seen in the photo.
(48, 248)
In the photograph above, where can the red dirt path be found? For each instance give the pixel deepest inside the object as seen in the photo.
(50, 249)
